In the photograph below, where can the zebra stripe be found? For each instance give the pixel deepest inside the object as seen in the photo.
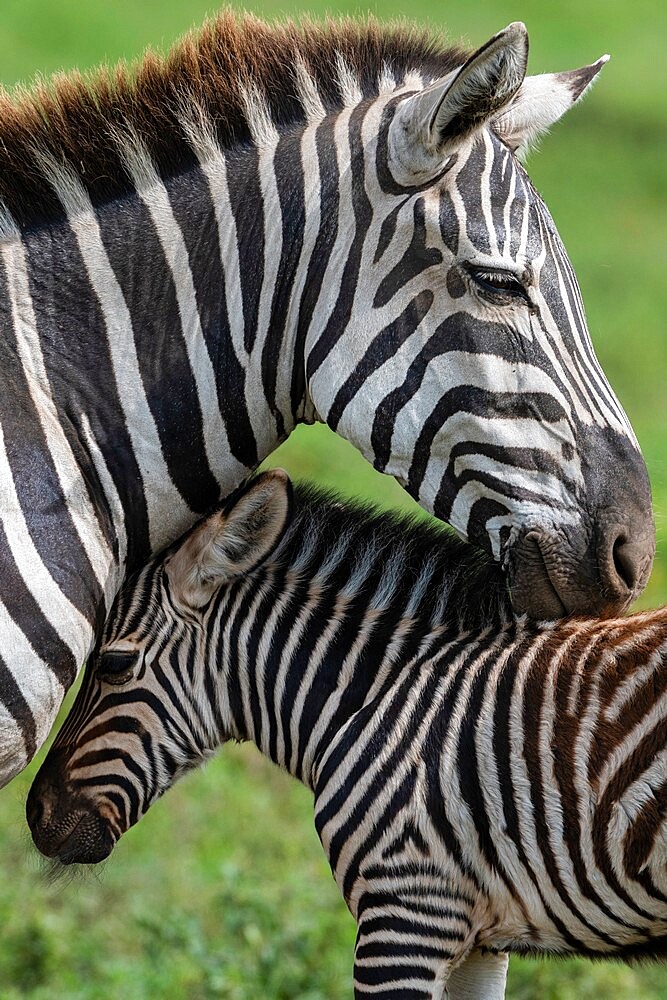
(162, 498)
(154, 195)
(480, 781)
(282, 240)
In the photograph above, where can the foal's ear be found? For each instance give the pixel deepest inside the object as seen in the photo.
(233, 541)
(431, 124)
(540, 101)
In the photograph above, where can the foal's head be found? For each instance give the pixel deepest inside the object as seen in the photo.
(144, 714)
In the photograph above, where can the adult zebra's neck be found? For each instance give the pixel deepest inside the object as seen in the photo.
(150, 359)
(193, 308)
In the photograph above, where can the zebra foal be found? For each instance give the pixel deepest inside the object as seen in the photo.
(483, 784)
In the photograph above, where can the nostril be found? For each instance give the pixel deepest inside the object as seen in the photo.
(34, 811)
(625, 562)
(37, 810)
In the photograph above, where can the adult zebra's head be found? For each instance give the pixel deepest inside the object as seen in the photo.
(465, 367)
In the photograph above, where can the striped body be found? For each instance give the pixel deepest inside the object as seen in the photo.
(183, 281)
(480, 782)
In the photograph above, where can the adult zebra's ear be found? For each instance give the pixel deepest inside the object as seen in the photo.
(430, 125)
(231, 542)
(540, 101)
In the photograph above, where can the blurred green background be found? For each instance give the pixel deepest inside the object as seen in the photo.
(222, 891)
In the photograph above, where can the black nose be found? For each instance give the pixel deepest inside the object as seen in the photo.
(623, 530)
(46, 790)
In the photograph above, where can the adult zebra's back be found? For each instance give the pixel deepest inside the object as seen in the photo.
(275, 225)
(480, 781)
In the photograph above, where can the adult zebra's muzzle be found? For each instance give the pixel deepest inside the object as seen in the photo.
(598, 556)
(65, 825)
(546, 581)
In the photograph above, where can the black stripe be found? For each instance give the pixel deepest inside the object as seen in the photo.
(324, 244)
(31, 620)
(77, 358)
(418, 257)
(193, 208)
(245, 199)
(290, 183)
(43, 503)
(383, 346)
(171, 392)
(363, 214)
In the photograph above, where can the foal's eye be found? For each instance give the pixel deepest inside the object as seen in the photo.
(116, 666)
(498, 283)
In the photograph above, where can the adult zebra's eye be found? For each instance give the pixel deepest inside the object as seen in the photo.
(116, 666)
(498, 283)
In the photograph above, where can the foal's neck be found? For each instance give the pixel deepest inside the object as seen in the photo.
(348, 601)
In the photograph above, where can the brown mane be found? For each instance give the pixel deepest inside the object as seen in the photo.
(71, 116)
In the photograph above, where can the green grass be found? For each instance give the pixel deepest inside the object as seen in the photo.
(222, 891)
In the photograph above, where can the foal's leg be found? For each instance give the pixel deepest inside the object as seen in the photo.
(481, 976)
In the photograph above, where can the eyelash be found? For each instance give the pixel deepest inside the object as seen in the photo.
(507, 285)
(117, 677)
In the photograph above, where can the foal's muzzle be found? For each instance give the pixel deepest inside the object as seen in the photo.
(64, 823)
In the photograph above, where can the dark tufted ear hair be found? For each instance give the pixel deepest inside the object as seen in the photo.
(540, 101)
(233, 541)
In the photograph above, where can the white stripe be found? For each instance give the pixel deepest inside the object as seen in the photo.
(211, 159)
(347, 83)
(331, 282)
(413, 80)
(201, 136)
(8, 227)
(507, 212)
(115, 507)
(312, 193)
(309, 95)
(386, 79)
(485, 190)
(273, 244)
(168, 514)
(258, 116)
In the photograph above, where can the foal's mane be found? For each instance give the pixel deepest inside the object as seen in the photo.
(72, 116)
(465, 584)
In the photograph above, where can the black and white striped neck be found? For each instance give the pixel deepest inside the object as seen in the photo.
(350, 598)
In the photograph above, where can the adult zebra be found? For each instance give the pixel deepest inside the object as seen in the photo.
(480, 781)
(277, 225)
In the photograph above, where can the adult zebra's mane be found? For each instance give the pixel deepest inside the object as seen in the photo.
(73, 117)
